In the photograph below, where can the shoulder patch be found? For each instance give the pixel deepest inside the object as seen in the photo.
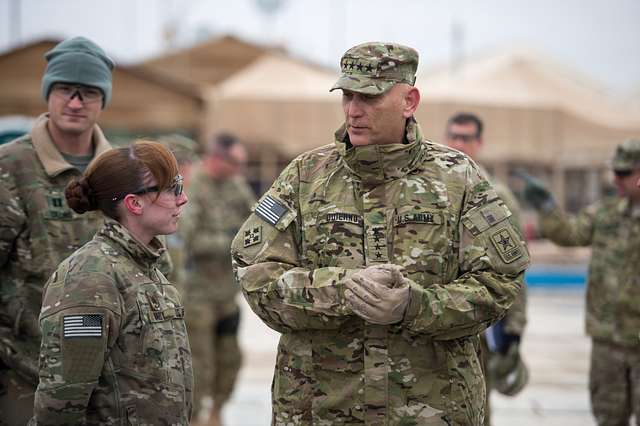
(507, 245)
(83, 325)
(270, 210)
(252, 236)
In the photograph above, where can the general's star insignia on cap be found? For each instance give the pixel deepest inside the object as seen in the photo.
(252, 236)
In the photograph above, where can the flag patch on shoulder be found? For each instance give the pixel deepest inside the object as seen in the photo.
(85, 325)
(270, 210)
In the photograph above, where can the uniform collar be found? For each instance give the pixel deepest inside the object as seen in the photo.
(146, 255)
(376, 164)
(49, 155)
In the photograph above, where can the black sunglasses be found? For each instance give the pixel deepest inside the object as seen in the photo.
(177, 186)
(623, 173)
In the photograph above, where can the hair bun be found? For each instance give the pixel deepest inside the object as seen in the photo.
(80, 196)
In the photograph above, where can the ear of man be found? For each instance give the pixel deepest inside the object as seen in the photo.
(411, 101)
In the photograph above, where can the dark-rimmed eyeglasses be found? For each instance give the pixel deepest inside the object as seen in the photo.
(177, 187)
(464, 138)
(86, 94)
(623, 173)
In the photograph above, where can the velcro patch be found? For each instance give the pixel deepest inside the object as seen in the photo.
(356, 219)
(83, 325)
(507, 245)
(429, 218)
(253, 236)
(270, 210)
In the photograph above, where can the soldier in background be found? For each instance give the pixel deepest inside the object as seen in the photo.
(37, 228)
(464, 133)
(185, 150)
(612, 228)
(220, 200)
(379, 258)
(114, 341)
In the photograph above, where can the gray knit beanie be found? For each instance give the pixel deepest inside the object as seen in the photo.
(78, 60)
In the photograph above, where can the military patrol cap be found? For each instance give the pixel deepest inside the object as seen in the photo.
(183, 148)
(373, 68)
(627, 156)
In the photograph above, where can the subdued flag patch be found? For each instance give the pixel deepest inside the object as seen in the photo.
(85, 325)
(270, 210)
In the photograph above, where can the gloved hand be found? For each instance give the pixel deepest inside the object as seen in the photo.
(378, 294)
(507, 372)
(536, 193)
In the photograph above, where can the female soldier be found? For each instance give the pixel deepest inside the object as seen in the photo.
(114, 344)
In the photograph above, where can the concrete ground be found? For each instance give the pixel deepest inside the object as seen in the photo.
(555, 348)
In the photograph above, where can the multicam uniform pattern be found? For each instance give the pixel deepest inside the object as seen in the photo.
(37, 231)
(216, 211)
(135, 367)
(612, 228)
(420, 205)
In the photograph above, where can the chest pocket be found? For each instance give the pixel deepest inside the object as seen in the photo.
(421, 242)
(163, 338)
(334, 238)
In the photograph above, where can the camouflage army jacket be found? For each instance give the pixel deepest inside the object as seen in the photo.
(37, 231)
(612, 230)
(114, 342)
(217, 209)
(337, 209)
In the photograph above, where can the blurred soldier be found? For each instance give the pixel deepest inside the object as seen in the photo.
(612, 228)
(184, 149)
(220, 200)
(37, 228)
(114, 341)
(379, 258)
(464, 133)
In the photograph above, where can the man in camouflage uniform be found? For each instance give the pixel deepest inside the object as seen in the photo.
(220, 200)
(612, 228)
(464, 133)
(379, 258)
(37, 229)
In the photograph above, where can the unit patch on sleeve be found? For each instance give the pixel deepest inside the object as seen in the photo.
(507, 245)
(270, 210)
(252, 236)
(85, 325)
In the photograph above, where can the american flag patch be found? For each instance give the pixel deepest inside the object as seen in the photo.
(88, 325)
(270, 210)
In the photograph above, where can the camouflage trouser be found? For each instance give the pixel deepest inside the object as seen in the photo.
(213, 335)
(614, 383)
(484, 363)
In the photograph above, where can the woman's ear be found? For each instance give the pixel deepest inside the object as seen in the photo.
(133, 204)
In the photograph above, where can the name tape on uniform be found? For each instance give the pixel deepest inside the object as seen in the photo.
(86, 325)
(270, 210)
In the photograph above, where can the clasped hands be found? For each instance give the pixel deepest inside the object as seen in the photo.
(379, 294)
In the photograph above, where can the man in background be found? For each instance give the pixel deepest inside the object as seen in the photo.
(611, 227)
(37, 228)
(220, 200)
(500, 344)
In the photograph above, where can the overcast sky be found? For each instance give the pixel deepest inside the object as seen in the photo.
(599, 38)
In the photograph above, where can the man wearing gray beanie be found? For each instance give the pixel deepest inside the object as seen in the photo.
(37, 228)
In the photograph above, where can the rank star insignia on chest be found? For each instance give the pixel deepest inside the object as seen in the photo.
(252, 236)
